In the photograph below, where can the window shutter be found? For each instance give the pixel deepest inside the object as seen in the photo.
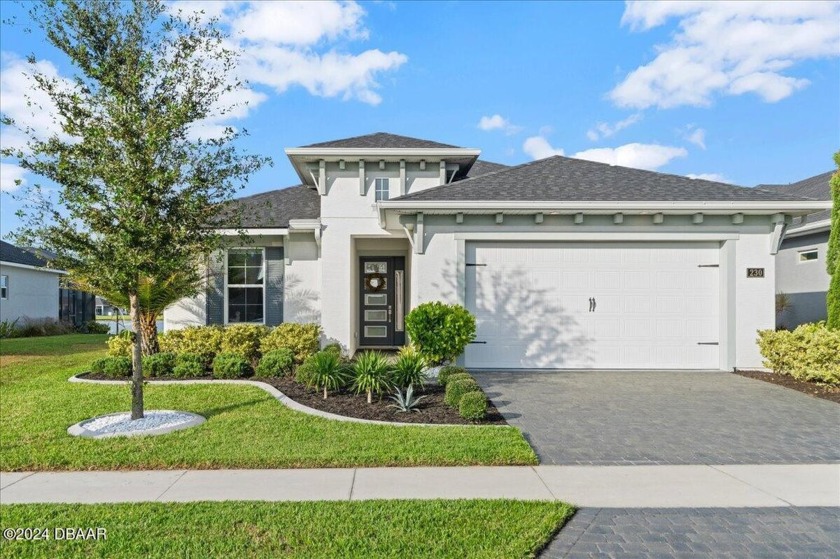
(215, 311)
(274, 266)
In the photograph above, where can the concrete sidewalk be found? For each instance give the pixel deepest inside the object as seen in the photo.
(585, 486)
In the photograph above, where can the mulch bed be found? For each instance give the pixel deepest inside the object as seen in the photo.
(823, 391)
(432, 408)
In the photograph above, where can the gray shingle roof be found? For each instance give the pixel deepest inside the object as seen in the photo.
(565, 179)
(274, 208)
(380, 140)
(15, 255)
(817, 187)
(481, 167)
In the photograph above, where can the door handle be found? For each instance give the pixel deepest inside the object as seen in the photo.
(591, 300)
(594, 304)
(389, 313)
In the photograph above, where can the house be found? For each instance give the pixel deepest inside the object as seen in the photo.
(105, 308)
(565, 263)
(801, 273)
(30, 289)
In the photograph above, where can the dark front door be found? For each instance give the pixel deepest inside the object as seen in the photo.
(382, 301)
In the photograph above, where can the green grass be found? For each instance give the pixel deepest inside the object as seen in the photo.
(492, 529)
(245, 427)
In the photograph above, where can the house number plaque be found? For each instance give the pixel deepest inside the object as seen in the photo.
(755, 272)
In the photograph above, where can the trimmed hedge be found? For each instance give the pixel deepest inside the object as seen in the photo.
(447, 372)
(158, 364)
(188, 365)
(230, 365)
(117, 367)
(457, 388)
(276, 363)
(440, 331)
(243, 339)
(121, 345)
(473, 406)
(810, 353)
(303, 339)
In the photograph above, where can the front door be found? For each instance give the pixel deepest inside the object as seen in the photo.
(382, 301)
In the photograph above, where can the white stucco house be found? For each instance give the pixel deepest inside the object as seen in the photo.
(27, 287)
(800, 264)
(565, 263)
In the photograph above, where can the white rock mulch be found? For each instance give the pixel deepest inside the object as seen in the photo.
(155, 422)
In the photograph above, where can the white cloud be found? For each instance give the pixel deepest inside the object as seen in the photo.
(539, 148)
(287, 44)
(9, 174)
(697, 137)
(605, 130)
(636, 155)
(498, 122)
(727, 48)
(716, 177)
(26, 104)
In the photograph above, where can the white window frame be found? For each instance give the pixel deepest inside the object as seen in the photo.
(4, 287)
(264, 284)
(376, 197)
(801, 253)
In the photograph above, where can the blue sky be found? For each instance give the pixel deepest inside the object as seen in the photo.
(742, 92)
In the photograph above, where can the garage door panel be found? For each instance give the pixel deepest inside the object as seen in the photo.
(654, 305)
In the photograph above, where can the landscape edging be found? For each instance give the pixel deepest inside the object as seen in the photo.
(280, 397)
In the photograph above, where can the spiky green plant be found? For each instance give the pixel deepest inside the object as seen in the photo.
(406, 401)
(409, 369)
(372, 374)
(325, 371)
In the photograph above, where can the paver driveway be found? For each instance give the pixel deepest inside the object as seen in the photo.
(664, 417)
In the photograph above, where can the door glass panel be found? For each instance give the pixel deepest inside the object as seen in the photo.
(376, 331)
(376, 267)
(376, 299)
(376, 316)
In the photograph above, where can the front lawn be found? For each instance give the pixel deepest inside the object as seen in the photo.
(245, 428)
(491, 529)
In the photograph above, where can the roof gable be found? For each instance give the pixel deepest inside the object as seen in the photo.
(273, 208)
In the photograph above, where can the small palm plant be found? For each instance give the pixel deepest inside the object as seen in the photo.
(406, 402)
(372, 374)
(325, 371)
(409, 368)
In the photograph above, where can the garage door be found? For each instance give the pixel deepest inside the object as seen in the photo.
(594, 305)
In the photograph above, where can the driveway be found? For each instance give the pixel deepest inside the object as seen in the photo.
(664, 417)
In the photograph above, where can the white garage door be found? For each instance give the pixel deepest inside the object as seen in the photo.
(594, 305)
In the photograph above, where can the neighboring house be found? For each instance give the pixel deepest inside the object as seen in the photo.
(565, 263)
(27, 287)
(800, 265)
(105, 308)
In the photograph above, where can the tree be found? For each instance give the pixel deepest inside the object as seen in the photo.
(135, 187)
(832, 258)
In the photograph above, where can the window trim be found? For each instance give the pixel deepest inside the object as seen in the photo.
(387, 182)
(264, 285)
(800, 253)
(4, 287)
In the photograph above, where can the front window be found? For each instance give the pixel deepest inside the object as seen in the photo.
(245, 278)
(381, 189)
(808, 255)
(4, 287)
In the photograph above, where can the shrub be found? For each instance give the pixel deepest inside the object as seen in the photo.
(457, 388)
(121, 345)
(371, 373)
(98, 365)
(407, 402)
(188, 365)
(230, 365)
(243, 339)
(94, 327)
(459, 376)
(276, 363)
(440, 331)
(8, 328)
(158, 364)
(409, 369)
(303, 339)
(35, 327)
(473, 406)
(324, 371)
(810, 352)
(117, 367)
(446, 373)
(205, 341)
(335, 348)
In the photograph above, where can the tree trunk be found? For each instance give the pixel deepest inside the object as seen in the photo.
(325, 393)
(136, 361)
(148, 333)
(370, 397)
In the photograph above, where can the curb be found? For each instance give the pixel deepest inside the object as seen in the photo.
(283, 399)
(79, 429)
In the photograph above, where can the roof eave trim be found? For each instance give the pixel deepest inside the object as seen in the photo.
(253, 231)
(815, 227)
(792, 207)
(378, 152)
(5, 263)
